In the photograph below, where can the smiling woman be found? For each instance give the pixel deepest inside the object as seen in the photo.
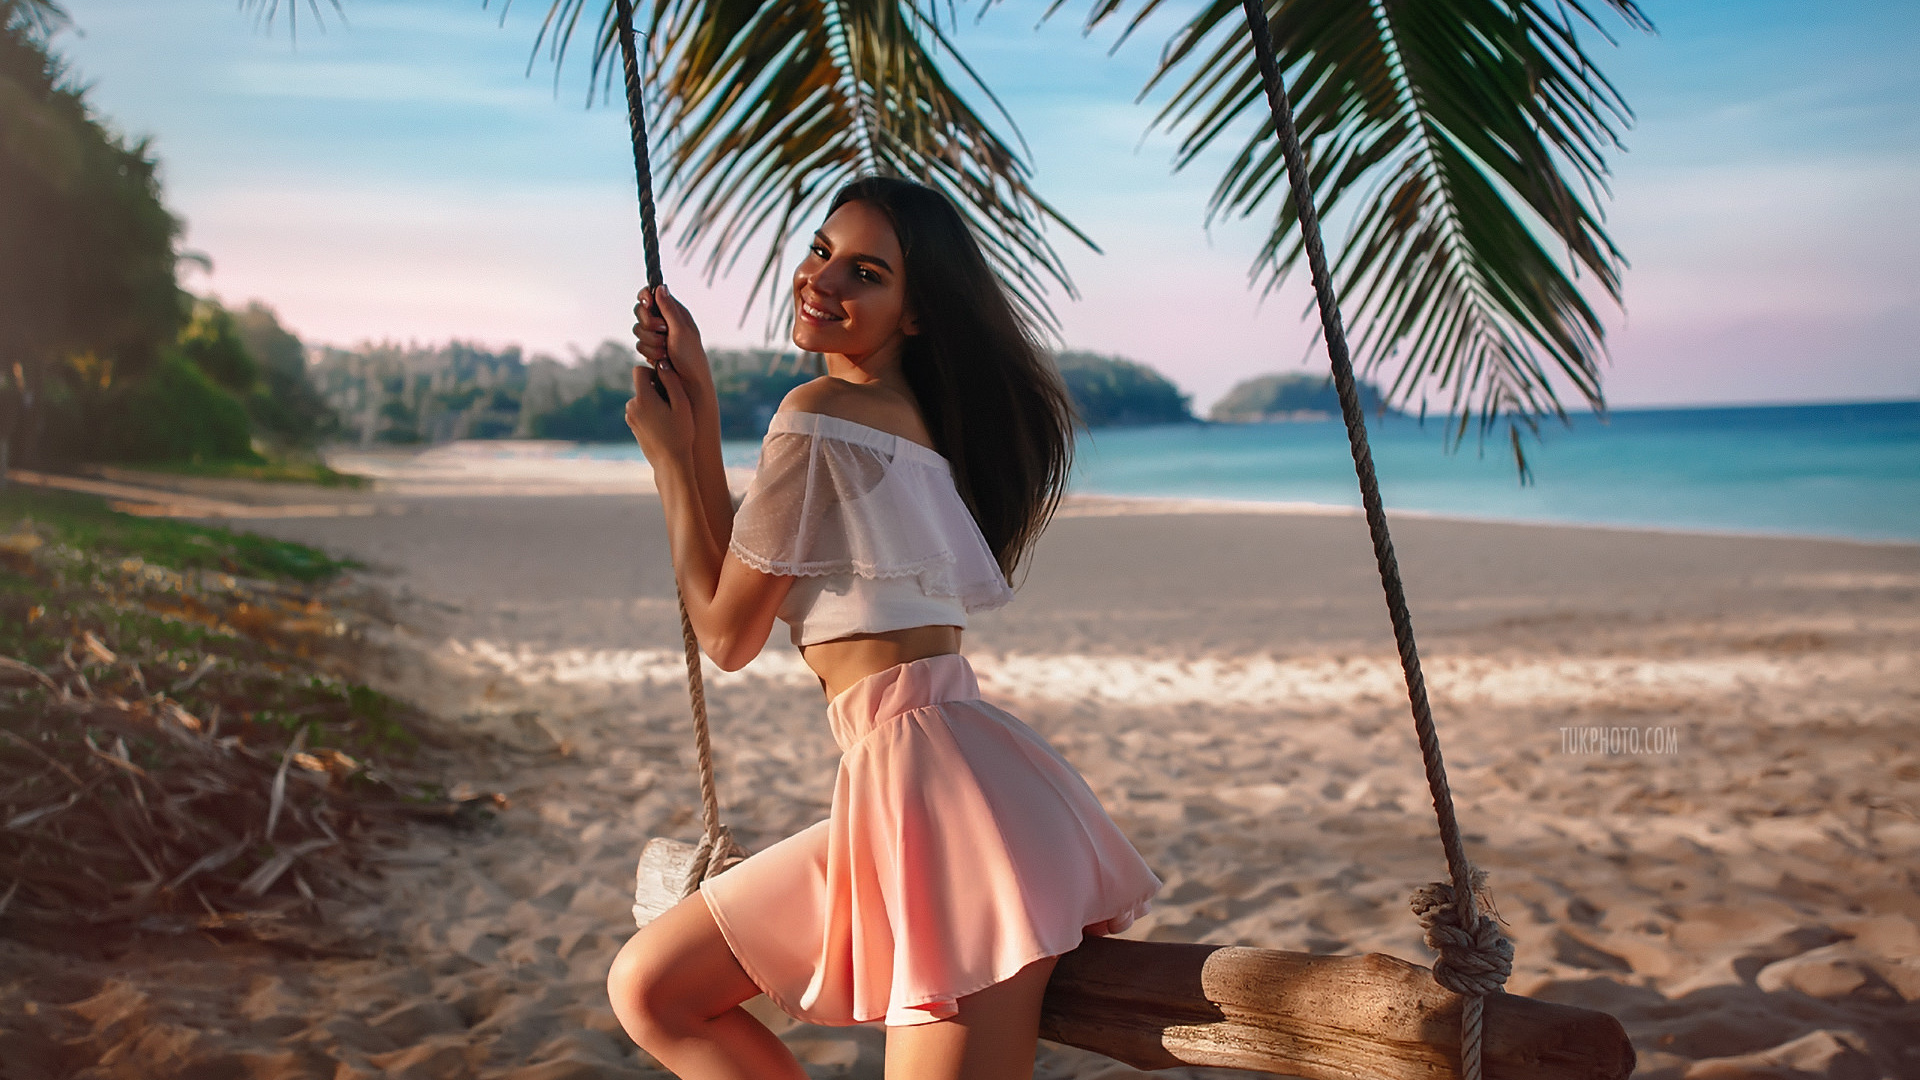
(896, 496)
(848, 296)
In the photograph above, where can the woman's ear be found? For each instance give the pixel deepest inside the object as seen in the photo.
(909, 323)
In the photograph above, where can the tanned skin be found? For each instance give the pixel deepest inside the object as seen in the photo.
(676, 985)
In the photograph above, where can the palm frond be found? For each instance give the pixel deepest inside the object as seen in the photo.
(40, 17)
(1463, 144)
(769, 106)
(265, 12)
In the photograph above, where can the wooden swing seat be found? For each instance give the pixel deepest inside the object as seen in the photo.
(1157, 1005)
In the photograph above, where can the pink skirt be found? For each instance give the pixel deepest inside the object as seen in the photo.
(961, 848)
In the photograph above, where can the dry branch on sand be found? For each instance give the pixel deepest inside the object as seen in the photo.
(136, 808)
(191, 754)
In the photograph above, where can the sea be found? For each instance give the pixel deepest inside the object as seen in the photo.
(1847, 470)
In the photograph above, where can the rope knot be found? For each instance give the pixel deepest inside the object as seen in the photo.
(715, 852)
(1474, 960)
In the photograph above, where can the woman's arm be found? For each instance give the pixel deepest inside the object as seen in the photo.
(731, 605)
(665, 332)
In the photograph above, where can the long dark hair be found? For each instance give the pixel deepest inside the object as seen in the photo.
(992, 401)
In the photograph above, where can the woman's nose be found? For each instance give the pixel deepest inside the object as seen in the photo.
(834, 279)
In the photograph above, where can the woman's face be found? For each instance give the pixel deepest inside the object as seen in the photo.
(849, 293)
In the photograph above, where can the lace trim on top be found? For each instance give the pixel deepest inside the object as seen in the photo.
(835, 497)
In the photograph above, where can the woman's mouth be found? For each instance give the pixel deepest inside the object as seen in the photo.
(818, 314)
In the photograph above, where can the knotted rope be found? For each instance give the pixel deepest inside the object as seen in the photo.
(717, 850)
(1473, 962)
(1474, 958)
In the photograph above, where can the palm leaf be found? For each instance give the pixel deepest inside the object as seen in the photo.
(1463, 143)
(40, 17)
(769, 106)
(266, 11)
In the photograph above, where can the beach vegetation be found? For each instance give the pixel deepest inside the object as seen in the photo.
(600, 416)
(176, 413)
(286, 408)
(103, 357)
(749, 385)
(207, 406)
(292, 468)
(407, 395)
(431, 394)
(88, 296)
(84, 523)
(212, 342)
(183, 739)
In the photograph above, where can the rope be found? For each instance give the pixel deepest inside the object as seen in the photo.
(1475, 957)
(717, 850)
(642, 168)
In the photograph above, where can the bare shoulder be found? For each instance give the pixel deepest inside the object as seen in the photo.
(873, 406)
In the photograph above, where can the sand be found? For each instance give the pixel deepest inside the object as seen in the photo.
(1690, 763)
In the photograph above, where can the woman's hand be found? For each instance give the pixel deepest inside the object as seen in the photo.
(664, 429)
(666, 335)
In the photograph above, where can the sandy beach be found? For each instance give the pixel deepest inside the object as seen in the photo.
(1690, 763)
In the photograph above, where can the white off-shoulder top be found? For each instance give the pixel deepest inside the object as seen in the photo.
(871, 525)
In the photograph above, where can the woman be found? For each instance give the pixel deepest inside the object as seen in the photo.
(895, 495)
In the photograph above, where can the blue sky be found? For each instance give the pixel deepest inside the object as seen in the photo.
(402, 176)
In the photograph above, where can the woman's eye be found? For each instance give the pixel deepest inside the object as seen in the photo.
(868, 275)
(818, 251)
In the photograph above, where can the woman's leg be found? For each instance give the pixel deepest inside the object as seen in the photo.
(677, 989)
(992, 1037)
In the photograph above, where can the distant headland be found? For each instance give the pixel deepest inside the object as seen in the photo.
(1295, 396)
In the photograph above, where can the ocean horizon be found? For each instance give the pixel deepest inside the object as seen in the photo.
(1847, 471)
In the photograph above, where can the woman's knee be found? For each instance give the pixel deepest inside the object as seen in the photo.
(674, 975)
(642, 987)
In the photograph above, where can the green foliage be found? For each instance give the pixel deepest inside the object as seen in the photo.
(750, 386)
(1108, 391)
(127, 580)
(84, 522)
(94, 362)
(87, 289)
(198, 411)
(271, 471)
(600, 416)
(213, 343)
(286, 407)
(175, 414)
(407, 395)
(1464, 141)
(1292, 396)
(776, 104)
(401, 425)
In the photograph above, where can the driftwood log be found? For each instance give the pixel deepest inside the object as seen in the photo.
(1156, 1005)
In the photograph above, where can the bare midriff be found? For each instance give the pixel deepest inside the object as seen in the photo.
(844, 661)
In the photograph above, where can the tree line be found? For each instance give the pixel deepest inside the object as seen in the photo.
(387, 394)
(103, 356)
